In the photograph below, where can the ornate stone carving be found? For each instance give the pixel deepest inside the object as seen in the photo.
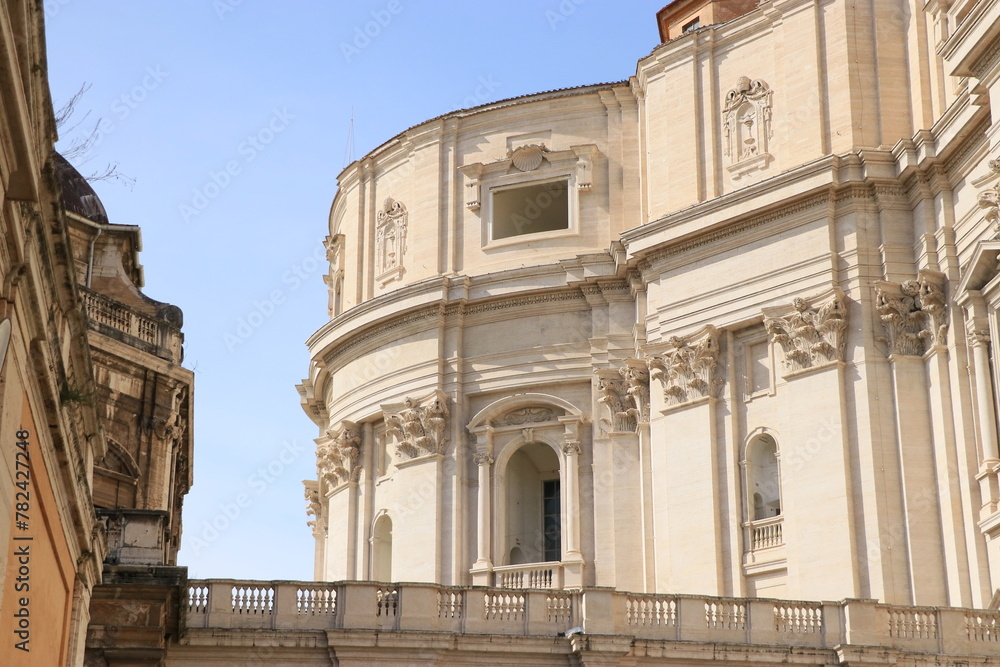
(530, 415)
(418, 426)
(613, 393)
(482, 459)
(335, 255)
(337, 456)
(913, 313)
(571, 448)
(313, 507)
(989, 199)
(528, 158)
(812, 334)
(390, 241)
(636, 376)
(687, 369)
(625, 392)
(746, 126)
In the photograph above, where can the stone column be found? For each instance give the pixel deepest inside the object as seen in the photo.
(483, 566)
(980, 342)
(571, 452)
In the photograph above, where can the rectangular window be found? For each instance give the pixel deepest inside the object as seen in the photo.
(551, 520)
(692, 25)
(530, 209)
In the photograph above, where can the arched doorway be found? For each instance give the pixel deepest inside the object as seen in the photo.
(532, 520)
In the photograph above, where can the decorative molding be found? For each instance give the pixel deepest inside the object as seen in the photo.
(687, 368)
(436, 310)
(529, 415)
(419, 426)
(571, 448)
(482, 459)
(913, 313)
(390, 241)
(811, 331)
(746, 126)
(737, 228)
(636, 376)
(338, 454)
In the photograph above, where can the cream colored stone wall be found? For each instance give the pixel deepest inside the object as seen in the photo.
(846, 234)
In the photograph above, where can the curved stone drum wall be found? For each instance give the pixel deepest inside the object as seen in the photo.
(703, 331)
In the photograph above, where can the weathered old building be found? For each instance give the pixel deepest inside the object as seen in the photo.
(95, 409)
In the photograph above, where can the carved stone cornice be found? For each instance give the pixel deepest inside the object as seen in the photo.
(687, 368)
(914, 313)
(810, 331)
(419, 426)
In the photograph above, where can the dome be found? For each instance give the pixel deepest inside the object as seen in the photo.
(76, 194)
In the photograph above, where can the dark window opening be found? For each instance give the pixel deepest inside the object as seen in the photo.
(692, 25)
(551, 520)
(530, 209)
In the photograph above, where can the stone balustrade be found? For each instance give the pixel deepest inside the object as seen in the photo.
(294, 605)
(113, 318)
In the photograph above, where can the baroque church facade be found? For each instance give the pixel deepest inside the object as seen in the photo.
(699, 366)
(723, 328)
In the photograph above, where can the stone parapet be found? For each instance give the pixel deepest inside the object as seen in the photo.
(355, 606)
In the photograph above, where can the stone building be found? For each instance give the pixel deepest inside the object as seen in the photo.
(95, 409)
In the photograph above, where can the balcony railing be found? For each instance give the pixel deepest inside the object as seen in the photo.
(765, 533)
(225, 604)
(531, 575)
(140, 331)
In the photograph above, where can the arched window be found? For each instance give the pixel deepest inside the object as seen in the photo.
(763, 480)
(382, 549)
(533, 505)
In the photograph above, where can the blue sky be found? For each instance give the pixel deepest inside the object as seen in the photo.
(232, 116)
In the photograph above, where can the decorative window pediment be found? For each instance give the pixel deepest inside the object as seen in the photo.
(390, 241)
(746, 127)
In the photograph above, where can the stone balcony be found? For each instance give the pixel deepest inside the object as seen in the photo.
(116, 320)
(292, 606)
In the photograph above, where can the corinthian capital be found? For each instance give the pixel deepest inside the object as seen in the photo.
(686, 369)
(809, 331)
